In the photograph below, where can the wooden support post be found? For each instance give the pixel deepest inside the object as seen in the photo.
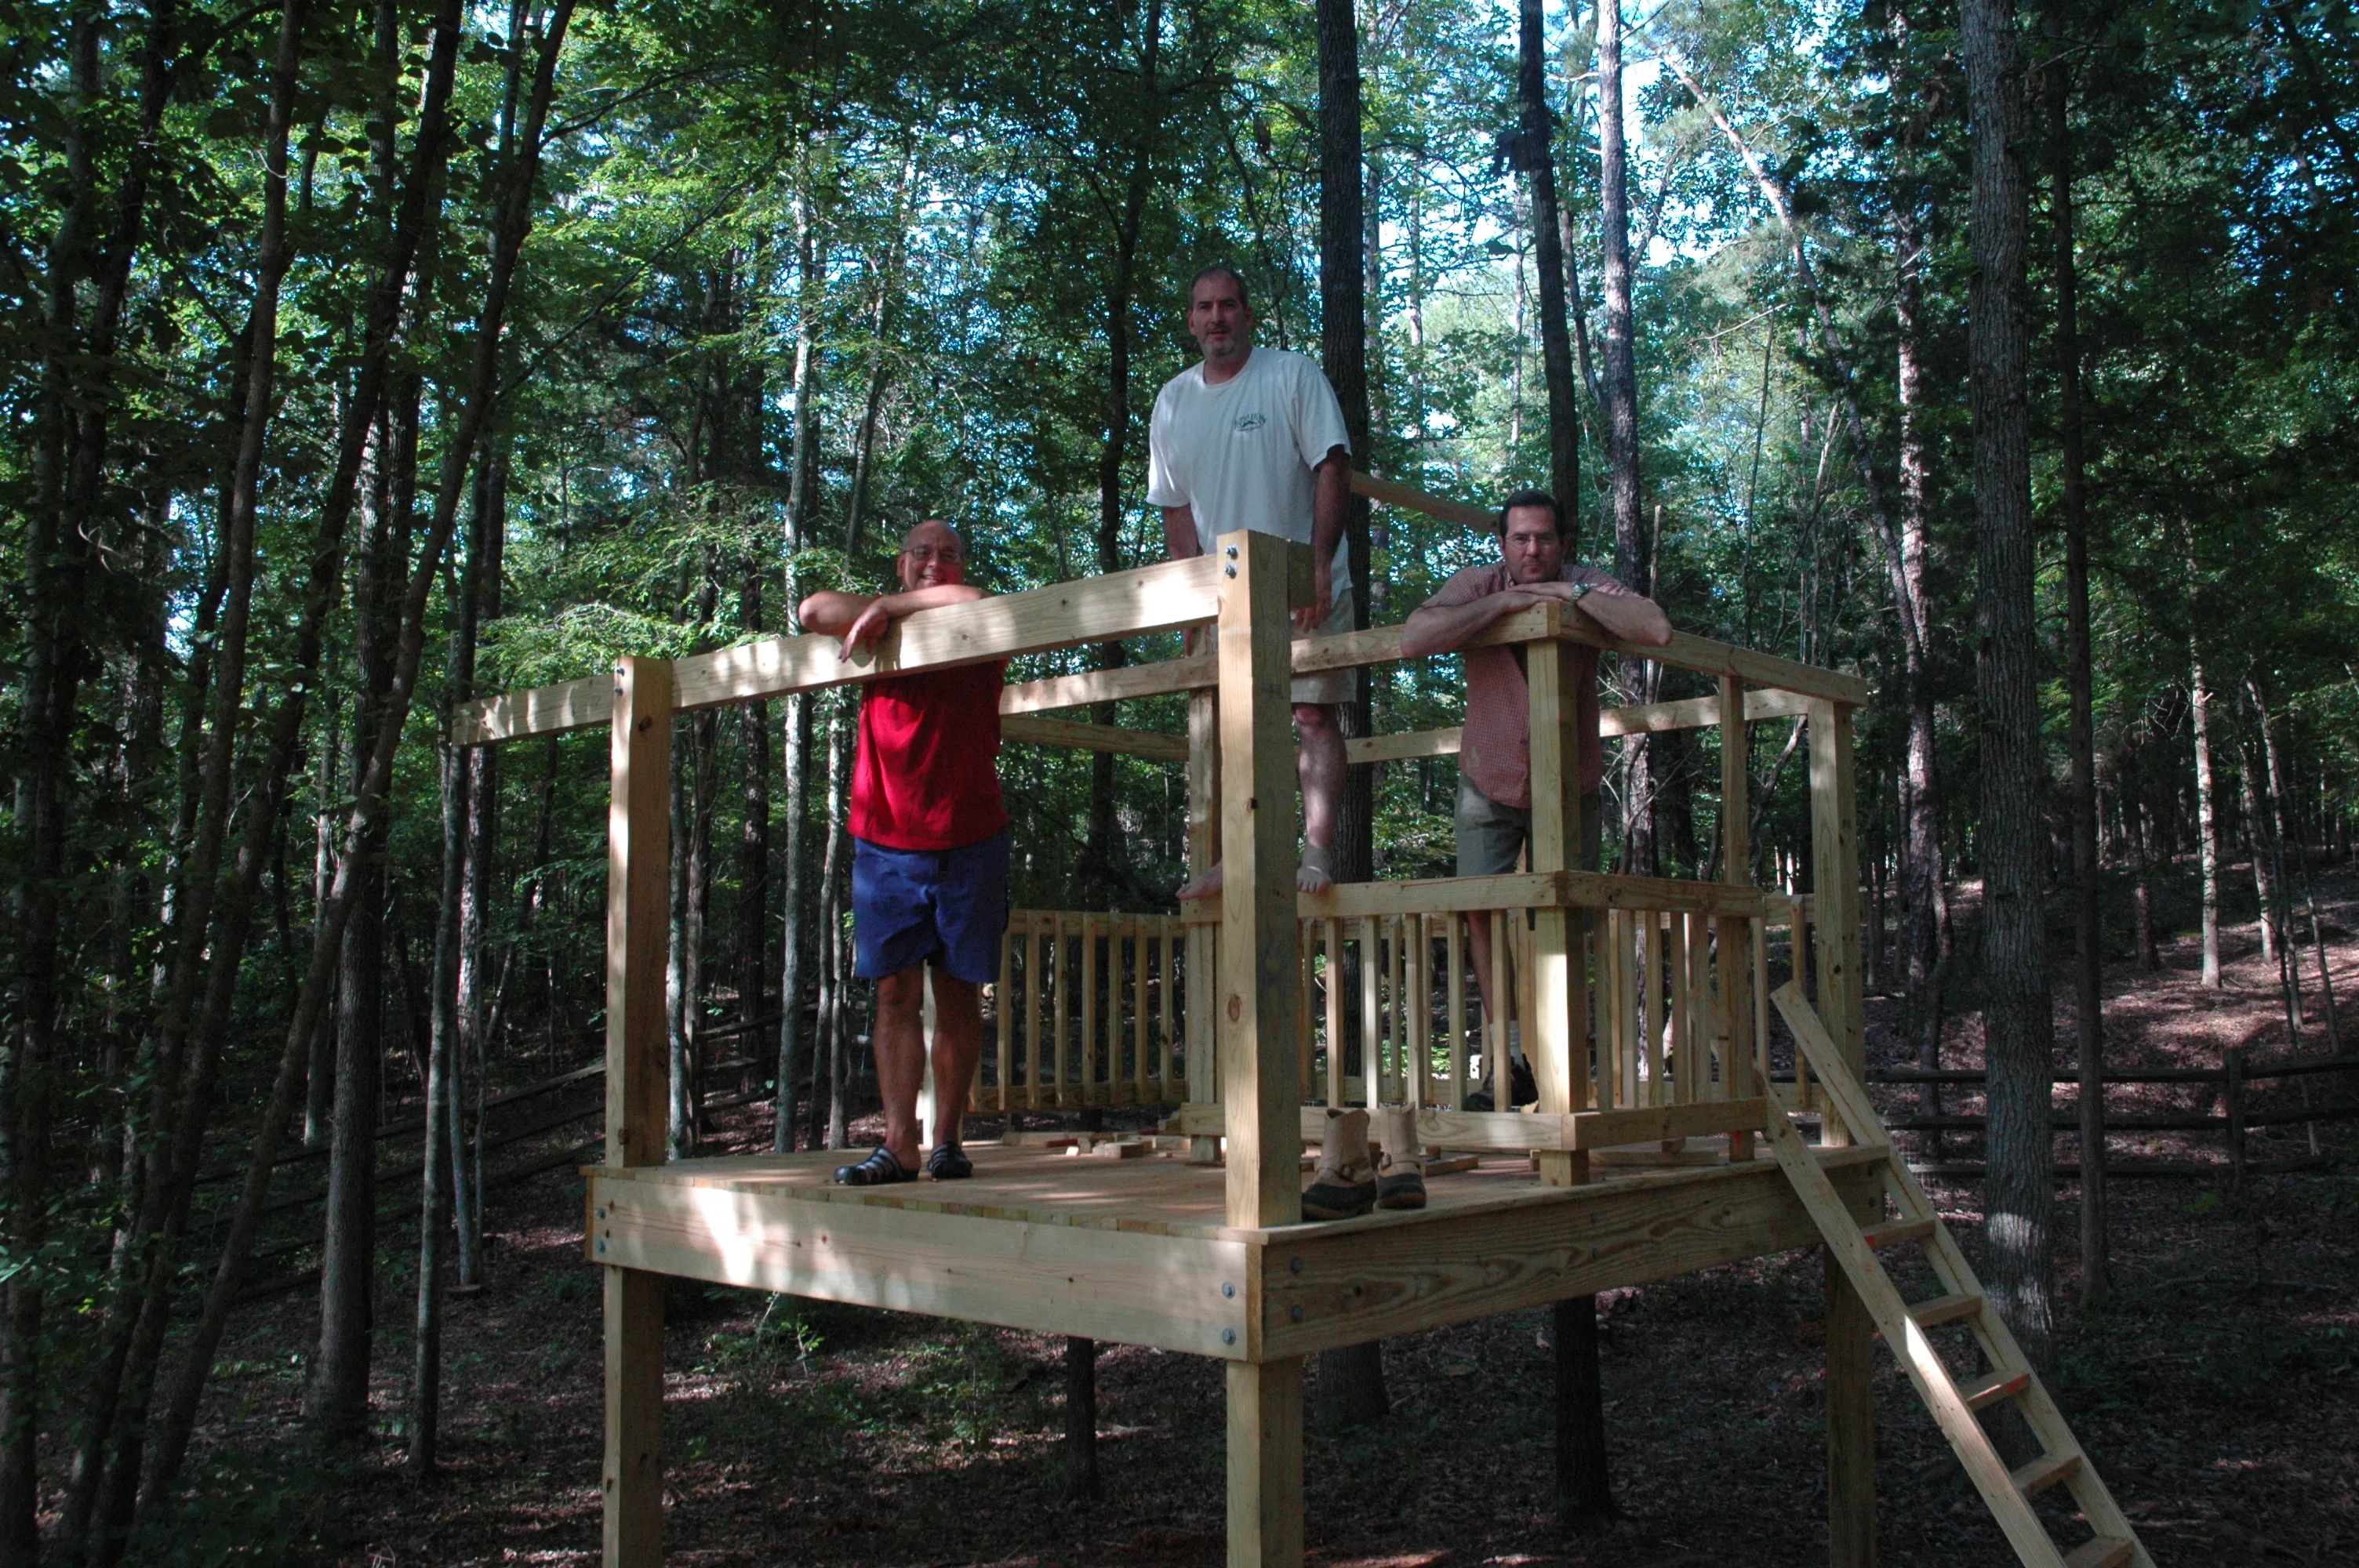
(1265, 1463)
(638, 874)
(1851, 1423)
(1203, 848)
(1259, 1093)
(1738, 957)
(1834, 870)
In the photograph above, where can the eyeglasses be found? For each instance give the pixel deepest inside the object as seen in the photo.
(927, 556)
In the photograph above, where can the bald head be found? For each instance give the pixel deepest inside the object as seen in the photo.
(931, 554)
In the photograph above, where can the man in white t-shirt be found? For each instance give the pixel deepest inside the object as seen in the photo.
(1253, 437)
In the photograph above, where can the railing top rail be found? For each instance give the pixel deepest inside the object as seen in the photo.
(1523, 890)
(1161, 597)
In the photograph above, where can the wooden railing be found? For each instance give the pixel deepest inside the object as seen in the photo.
(1087, 1013)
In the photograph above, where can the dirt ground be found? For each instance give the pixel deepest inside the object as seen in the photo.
(2212, 1389)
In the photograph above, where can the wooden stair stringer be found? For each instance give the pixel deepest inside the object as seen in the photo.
(1942, 1394)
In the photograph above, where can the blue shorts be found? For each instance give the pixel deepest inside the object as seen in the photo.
(949, 905)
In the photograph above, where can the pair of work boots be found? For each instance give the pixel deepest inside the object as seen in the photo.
(1352, 1178)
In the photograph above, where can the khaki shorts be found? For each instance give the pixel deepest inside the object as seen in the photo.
(1327, 688)
(1491, 836)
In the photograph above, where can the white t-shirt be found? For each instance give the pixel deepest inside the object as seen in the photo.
(1241, 454)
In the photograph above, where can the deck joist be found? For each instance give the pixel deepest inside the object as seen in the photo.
(1136, 1251)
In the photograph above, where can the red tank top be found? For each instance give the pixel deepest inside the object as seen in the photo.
(927, 775)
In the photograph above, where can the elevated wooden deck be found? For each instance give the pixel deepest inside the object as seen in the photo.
(1139, 1250)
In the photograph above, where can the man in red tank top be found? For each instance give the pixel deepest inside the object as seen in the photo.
(929, 858)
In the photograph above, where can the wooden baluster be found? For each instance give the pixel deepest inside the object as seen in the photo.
(1305, 979)
(1371, 1024)
(1495, 997)
(1420, 1015)
(1004, 1033)
(1334, 944)
(1455, 1019)
(1684, 1048)
(1168, 955)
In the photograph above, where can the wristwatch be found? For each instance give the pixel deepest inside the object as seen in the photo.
(1581, 591)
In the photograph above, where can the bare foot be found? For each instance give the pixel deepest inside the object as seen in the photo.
(1316, 873)
(1206, 886)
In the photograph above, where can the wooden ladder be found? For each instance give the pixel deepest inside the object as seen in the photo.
(1951, 1399)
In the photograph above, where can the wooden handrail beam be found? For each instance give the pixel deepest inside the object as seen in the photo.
(1521, 889)
(1160, 598)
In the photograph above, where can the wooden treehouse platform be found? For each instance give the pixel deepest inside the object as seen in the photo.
(1659, 1144)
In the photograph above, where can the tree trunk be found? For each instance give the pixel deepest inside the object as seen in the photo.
(802, 508)
(835, 975)
(1352, 1380)
(754, 837)
(1536, 158)
(2207, 843)
(336, 1394)
(2019, 1191)
(1920, 839)
(2081, 741)
(1633, 550)
(2149, 958)
(164, 1456)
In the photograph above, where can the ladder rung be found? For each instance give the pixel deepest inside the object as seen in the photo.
(1893, 1232)
(1944, 1309)
(2101, 1552)
(1991, 1388)
(2045, 1472)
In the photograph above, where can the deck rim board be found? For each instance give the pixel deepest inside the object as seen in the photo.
(990, 1203)
(1107, 1277)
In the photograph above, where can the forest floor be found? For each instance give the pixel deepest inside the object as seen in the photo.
(2213, 1389)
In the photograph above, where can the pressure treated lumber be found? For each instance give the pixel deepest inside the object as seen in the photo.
(1519, 890)
(639, 862)
(1026, 731)
(1557, 1132)
(1265, 1440)
(1259, 1066)
(1159, 598)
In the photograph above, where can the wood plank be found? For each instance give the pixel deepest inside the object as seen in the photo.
(1354, 1280)
(1556, 1051)
(1897, 1232)
(1264, 1470)
(1834, 858)
(638, 871)
(638, 867)
(1740, 1021)
(585, 704)
(1085, 688)
(1992, 1387)
(1851, 1422)
(1707, 658)
(633, 1469)
(1392, 493)
(2048, 1470)
(1203, 958)
(1026, 731)
(1653, 1123)
(1407, 745)
(1163, 597)
(1159, 598)
(1519, 890)
(1100, 1283)
(1259, 1090)
(1933, 1314)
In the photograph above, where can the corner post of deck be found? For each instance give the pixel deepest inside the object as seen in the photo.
(1835, 878)
(638, 859)
(1556, 1036)
(1737, 935)
(1255, 1020)
(1835, 874)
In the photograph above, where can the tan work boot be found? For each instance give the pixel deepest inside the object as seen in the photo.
(1400, 1171)
(1345, 1185)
